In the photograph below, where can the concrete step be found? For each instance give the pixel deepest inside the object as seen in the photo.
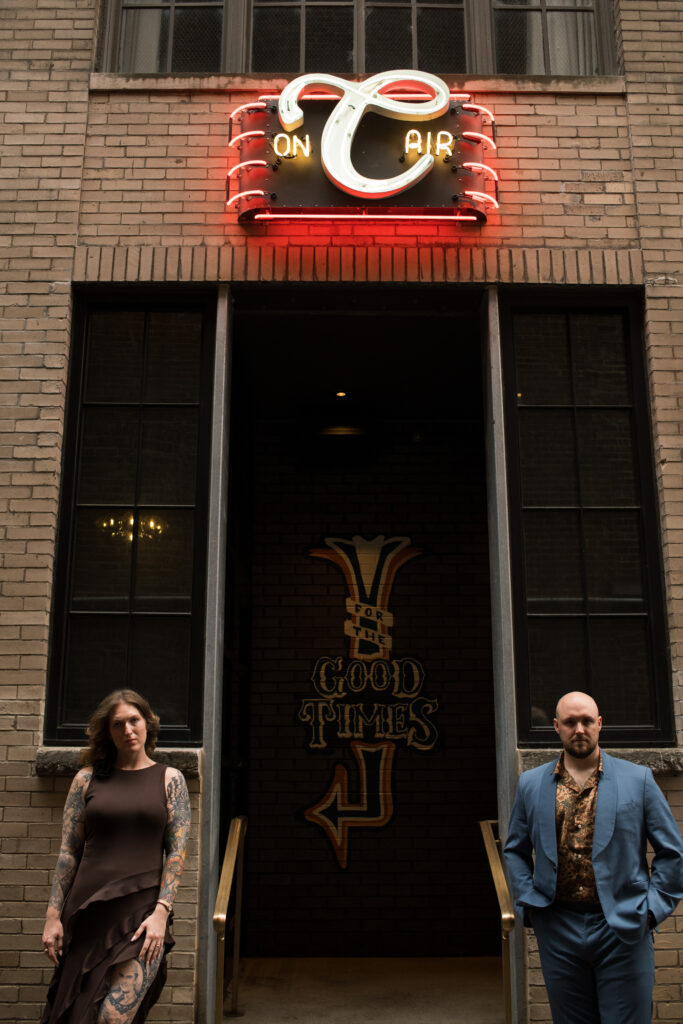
(440, 990)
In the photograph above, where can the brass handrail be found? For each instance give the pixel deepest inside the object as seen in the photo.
(233, 863)
(507, 912)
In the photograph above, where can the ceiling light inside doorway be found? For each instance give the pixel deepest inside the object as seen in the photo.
(342, 431)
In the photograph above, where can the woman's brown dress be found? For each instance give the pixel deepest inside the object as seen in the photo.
(115, 888)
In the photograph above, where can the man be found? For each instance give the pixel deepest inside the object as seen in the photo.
(589, 896)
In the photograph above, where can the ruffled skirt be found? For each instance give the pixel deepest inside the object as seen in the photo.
(97, 936)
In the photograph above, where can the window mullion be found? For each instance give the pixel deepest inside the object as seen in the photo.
(302, 38)
(413, 29)
(479, 38)
(359, 14)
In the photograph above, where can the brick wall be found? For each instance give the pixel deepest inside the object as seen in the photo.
(125, 182)
(43, 119)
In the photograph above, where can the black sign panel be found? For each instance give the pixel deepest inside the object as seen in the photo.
(280, 174)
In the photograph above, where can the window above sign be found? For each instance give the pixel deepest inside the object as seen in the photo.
(516, 37)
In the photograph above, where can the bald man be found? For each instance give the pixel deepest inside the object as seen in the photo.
(576, 857)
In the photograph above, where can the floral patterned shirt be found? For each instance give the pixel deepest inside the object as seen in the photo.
(574, 823)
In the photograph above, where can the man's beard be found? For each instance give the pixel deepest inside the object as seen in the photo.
(582, 753)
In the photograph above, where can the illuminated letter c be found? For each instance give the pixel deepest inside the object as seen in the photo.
(357, 99)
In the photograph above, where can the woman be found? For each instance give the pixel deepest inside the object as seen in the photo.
(107, 921)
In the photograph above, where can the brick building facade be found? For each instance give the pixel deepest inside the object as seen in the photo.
(113, 204)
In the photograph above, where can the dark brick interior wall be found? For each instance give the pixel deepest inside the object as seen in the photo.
(419, 885)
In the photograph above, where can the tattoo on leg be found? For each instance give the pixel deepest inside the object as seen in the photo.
(128, 984)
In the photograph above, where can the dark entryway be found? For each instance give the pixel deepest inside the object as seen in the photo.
(361, 739)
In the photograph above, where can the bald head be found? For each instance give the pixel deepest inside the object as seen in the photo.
(575, 699)
(578, 724)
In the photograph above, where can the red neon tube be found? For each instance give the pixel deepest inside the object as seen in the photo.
(254, 105)
(247, 163)
(482, 167)
(243, 195)
(483, 197)
(483, 110)
(478, 137)
(245, 135)
(364, 216)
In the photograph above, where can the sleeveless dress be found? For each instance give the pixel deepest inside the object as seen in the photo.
(115, 888)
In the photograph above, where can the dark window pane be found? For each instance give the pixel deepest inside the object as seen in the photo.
(160, 664)
(553, 561)
(547, 457)
(144, 41)
(519, 43)
(387, 38)
(168, 470)
(102, 553)
(542, 360)
(173, 357)
(557, 663)
(441, 40)
(572, 44)
(621, 670)
(197, 40)
(96, 662)
(599, 357)
(329, 39)
(275, 45)
(613, 561)
(108, 456)
(606, 455)
(163, 569)
(114, 367)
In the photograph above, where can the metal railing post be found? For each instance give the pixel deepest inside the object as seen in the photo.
(220, 978)
(238, 930)
(507, 912)
(233, 866)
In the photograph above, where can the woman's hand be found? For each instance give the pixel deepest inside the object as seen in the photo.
(53, 937)
(155, 927)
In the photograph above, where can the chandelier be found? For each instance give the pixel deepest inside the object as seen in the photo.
(125, 527)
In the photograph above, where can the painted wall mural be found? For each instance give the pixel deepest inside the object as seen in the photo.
(370, 699)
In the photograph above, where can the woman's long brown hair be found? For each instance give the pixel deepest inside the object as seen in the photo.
(101, 752)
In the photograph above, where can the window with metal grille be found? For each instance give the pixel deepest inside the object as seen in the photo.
(519, 37)
(589, 612)
(129, 593)
(546, 37)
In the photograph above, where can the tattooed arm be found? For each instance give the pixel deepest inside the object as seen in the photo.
(73, 835)
(177, 830)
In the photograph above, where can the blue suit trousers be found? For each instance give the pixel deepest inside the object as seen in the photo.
(591, 975)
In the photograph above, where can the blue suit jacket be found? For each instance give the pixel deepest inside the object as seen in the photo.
(631, 809)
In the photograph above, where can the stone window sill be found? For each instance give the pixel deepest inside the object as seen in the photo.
(591, 85)
(64, 761)
(662, 760)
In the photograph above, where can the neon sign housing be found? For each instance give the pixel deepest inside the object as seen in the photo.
(397, 146)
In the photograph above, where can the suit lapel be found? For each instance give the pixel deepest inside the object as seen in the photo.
(606, 811)
(547, 813)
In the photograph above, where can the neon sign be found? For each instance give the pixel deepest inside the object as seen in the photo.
(398, 145)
